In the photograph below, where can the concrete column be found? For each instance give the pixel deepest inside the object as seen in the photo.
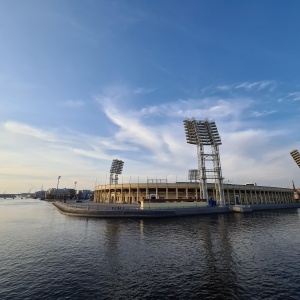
(234, 198)
(129, 194)
(286, 197)
(265, 198)
(228, 196)
(246, 196)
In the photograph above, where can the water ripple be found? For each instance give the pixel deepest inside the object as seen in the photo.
(45, 255)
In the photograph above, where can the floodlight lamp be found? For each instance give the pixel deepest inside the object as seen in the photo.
(190, 131)
(193, 174)
(116, 166)
(296, 156)
(201, 132)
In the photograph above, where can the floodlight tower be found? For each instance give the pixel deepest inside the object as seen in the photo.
(296, 156)
(205, 133)
(115, 170)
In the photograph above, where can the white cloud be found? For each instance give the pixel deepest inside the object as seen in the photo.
(29, 155)
(255, 154)
(131, 129)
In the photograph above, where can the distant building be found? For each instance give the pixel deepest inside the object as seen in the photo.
(60, 193)
(39, 195)
(85, 194)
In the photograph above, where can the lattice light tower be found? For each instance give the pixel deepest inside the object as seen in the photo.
(115, 170)
(193, 175)
(296, 156)
(205, 133)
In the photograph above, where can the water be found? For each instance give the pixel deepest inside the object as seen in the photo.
(46, 255)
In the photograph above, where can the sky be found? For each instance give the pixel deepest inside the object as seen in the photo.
(83, 82)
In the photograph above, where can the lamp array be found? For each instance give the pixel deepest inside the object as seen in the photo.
(201, 132)
(296, 156)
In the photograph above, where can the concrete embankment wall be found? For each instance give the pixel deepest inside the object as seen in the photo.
(110, 211)
(114, 211)
(172, 205)
(274, 206)
(92, 211)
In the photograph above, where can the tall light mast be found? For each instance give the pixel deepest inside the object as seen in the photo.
(205, 133)
(115, 170)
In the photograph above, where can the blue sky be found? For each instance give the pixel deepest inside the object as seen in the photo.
(84, 82)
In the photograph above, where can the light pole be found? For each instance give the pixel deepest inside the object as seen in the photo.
(57, 185)
(75, 188)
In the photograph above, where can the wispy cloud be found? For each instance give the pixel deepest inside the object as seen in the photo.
(76, 142)
(72, 104)
(249, 86)
(290, 97)
(160, 138)
(199, 108)
(294, 96)
(27, 130)
(144, 90)
(224, 87)
(257, 85)
(131, 129)
(262, 113)
(15, 83)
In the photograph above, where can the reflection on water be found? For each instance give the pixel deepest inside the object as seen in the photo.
(46, 255)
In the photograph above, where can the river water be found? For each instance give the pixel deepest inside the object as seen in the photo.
(46, 255)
